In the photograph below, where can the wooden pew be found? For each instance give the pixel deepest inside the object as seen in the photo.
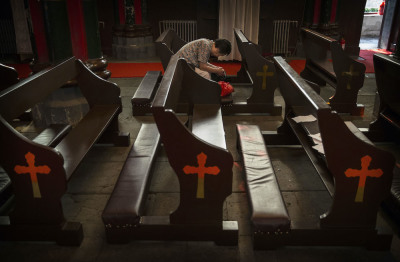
(326, 62)
(8, 76)
(40, 169)
(166, 45)
(261, 75)
(386, 128)
(387, 74)
(351, 219)
(198, 155)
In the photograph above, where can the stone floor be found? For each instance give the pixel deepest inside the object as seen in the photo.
(93, 182)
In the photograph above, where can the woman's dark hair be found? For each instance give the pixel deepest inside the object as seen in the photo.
(224, 46)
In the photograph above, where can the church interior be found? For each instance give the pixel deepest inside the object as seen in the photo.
(113, 148)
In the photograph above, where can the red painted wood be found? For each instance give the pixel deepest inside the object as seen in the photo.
(317, 12)
(77, 28)
(121, 7)
(138, 12)
(333, 11)
(39, 30)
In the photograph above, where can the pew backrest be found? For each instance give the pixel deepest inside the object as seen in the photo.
(167, 44)
(30, 91)
(295, 90)
(8, 76)
(180, 80)
(346, 152)
(387, 74)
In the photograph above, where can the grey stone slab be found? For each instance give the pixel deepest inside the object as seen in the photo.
(146, 251)
(305, 207)
(164, 178)
(107, 152)
(95, 177)
(331, 254)
(209, 251)
(35, 252)
(246, 252)
(236, 208)
(238, 181)
(294, 170)
(161, 204)
(127, 86)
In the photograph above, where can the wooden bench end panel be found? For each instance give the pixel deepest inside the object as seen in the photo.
(363, 174)
(96, 90)
(37, 176)
(204, 171)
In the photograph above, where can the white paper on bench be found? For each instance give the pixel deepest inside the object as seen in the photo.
(316, 138)
(319, 148)
(302, 119)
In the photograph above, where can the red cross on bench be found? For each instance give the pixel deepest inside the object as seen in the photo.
(201, 170)
(363, 174)
(32, 170)
(264, 75)
(350, 74)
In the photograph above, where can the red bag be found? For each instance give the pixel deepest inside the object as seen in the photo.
(226, 88)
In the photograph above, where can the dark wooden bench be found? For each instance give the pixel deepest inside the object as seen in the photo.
(326, 62)
(40, 169)
(198, 155)
(166, 45)
(261, 75)
(8, 76)
(351, 218)
(386, 128)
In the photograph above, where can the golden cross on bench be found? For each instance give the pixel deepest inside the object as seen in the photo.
(264, 75)
(363, 174)
(201, 170)
(32, 170)
(350, 74)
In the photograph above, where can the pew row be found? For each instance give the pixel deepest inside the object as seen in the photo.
(261, 100)
(167, 44)
(196, 152)
(40, 169)
(386, 128)
(355, 173)
(326, 62)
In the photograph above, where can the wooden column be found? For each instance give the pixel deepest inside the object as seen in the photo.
(308, 13)
(57, 30)
(129, 12)
(78, 32)
(96, 61)
(317, 14)
(325, 16)
(41, 52)
(138, 12)
(350, 24)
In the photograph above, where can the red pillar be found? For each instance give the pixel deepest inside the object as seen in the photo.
(39, 31)
(138, 12)
(317, 12)
(333, 11)
(121, 8)
(77, 28)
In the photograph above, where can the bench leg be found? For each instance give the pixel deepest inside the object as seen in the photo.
(283, 136)
(112, 135)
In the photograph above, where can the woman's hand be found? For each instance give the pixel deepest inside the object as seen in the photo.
(220, 71)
